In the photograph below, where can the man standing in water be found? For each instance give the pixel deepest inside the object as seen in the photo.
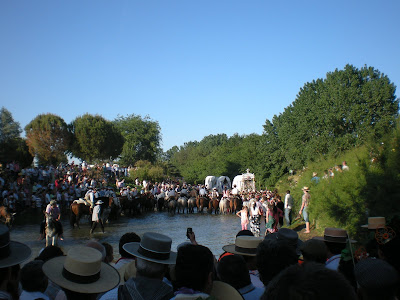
(304, 207)
(96, 217)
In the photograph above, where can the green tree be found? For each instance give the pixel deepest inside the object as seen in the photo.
(47, 137)
(141, 138)
(12, 147)
(9, 129)
(331, 115)
(95, 138)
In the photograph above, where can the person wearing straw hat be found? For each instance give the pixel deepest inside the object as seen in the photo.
(96, 217)
(305, 201)
(375, 223)
(81, 274)
(336, 240)
(153, 256)
(11, 254)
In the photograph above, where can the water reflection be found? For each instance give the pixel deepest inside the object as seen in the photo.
(212, 231)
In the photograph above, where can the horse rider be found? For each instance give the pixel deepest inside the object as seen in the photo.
(226, 193)
(202, 191)
(184, 191)
(53, 210)
(171, 194)
(214, 194)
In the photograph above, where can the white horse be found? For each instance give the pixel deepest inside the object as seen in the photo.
(223, 206)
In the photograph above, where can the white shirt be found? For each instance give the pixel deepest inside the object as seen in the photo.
(96, 213)
(287, 202)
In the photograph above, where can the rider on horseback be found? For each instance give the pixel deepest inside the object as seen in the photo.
(53, 210)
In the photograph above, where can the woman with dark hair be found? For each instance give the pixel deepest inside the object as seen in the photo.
(255, 218)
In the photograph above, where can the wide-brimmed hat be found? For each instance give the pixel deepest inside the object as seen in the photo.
(224, 291)
(375, 223)
(335, 235)
(289, 236)
(244, 245)
(99, 202)
(82, 271)
(11, 253)
(305, 189)
(153, 247)
(52, 202)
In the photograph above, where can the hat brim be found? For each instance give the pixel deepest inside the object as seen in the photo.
(231, 249)
(224, 291)
(133, 248)
(321, 238)
(373, 226)
(19, 253)
(109, 277)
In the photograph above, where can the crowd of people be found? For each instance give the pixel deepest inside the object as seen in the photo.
(277, 266)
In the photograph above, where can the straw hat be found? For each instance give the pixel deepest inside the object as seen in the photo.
(375, 222)
(306, 189)
(11, 253)
(153, 247)
(244, 245)
(82, 271)
(224, 291)
(289, 236)
(335, 235)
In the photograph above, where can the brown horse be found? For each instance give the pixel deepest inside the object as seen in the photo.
(213, 205)
(201, 203)
(77, 211)
(6, 216)
(237, 203)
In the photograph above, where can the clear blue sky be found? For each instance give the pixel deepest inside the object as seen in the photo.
(196, 67)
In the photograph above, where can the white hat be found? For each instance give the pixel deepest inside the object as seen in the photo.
(82, 271)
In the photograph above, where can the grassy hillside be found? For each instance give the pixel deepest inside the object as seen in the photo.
(370, 188)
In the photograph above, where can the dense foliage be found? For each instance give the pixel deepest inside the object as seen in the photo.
(95, 138)
(48, 138)
(328, 116)
(141, 139)
(12, 146)
(371, 187)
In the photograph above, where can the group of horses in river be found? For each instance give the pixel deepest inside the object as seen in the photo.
(145, 202)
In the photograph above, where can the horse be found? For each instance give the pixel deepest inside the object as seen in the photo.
(213, 205)
(161, 201)
(201, 203)
(193, 193)
(52, 231)
(129, 204)
(182, 204)
(224, 206)
(171, 206)
(237, 203)
(6, 216)
(191, 205)
(77, 211)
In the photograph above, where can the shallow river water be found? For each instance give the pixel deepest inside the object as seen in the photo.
(213, 231)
